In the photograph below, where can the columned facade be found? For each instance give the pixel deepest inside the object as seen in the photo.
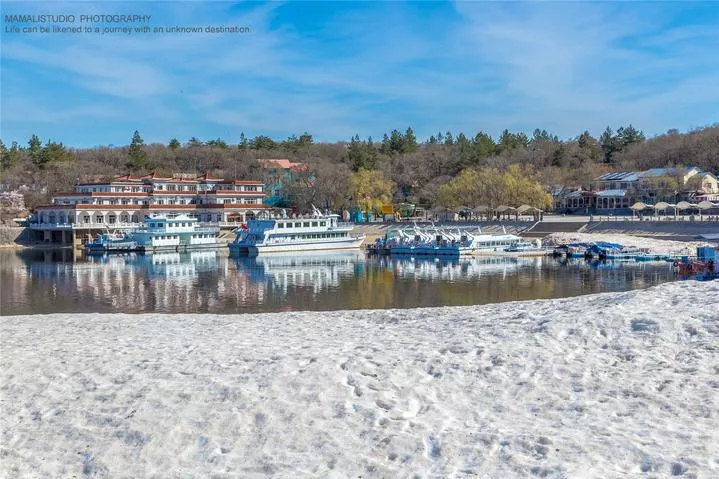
(125, 202)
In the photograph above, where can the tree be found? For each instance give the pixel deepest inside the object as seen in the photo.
(484, 145)
(361, 155)
(409, 144)
(9, 157)
(217, 143)
(137, 156)
(174, 144)
(396, 142)
(609, 145)
(329, 183)
(262, 142)
(194, 142)
(305, 140)
(370, 189)
(244, 143)
(627, 136)
(54, 152)
(35, 150)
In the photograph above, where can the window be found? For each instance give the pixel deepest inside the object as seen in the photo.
(280, 225)
(314, 223)
(306, 224)
(323, 223)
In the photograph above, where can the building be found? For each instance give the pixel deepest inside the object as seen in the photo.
(620, 190)
(278, 174)
(572, 199)
(124, 203)
(709, 184)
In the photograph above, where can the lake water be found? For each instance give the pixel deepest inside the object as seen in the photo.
(57, 281)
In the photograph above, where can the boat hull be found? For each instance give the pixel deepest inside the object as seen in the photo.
(289, 247)
(181, 247)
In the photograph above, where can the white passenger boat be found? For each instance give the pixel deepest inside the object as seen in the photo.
(178, 232)
(437, 241)
(275, 235)
(111, 242)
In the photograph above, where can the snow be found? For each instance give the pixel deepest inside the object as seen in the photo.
(654, 245)
(617, 384)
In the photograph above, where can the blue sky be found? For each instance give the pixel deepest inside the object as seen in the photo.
(339, 68)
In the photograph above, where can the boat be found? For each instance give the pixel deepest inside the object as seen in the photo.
(527, 248)
(437, 241)
(703, 268)
(175, 232)
(115, 241)
(276, 235)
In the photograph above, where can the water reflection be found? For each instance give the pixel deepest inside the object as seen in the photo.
(210, 281)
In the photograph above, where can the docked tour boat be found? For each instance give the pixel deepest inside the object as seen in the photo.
(175, 233)
(109, 242)
(275, 235)
(436, 241)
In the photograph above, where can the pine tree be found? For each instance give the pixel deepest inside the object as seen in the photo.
(409, 143)
(174, 144)
(244, 143)
(217, 143)
(35, 150)
(609, 145)
(396, 142)
(194, 142)
(137, 156)
(386, 147)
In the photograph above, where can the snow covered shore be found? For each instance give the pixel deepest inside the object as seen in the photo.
(654, 245)
(618, 384)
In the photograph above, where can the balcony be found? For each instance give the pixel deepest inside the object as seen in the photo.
(209, 226)
(82, 226)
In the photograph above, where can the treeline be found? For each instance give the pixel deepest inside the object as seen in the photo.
(398, 164)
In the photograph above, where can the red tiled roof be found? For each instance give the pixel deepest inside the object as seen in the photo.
(127, 177)
(282, 163)
(207, 177)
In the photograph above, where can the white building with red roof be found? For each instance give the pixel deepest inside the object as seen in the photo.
(125, 201)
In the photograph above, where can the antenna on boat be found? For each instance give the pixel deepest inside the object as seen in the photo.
(504, 230)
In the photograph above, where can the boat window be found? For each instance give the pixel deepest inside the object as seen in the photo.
(314, 223)
(306, 224)
(323, 223)
(298, 225)
(280, 225)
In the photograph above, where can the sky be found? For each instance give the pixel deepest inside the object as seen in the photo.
(336, 69)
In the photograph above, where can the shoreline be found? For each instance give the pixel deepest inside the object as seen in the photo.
(590, 386)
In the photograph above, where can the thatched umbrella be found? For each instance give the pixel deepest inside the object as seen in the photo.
(638, 207)
(505, 210)
(683, 206)
(661, 206)
(704, 205)
(481, 210)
